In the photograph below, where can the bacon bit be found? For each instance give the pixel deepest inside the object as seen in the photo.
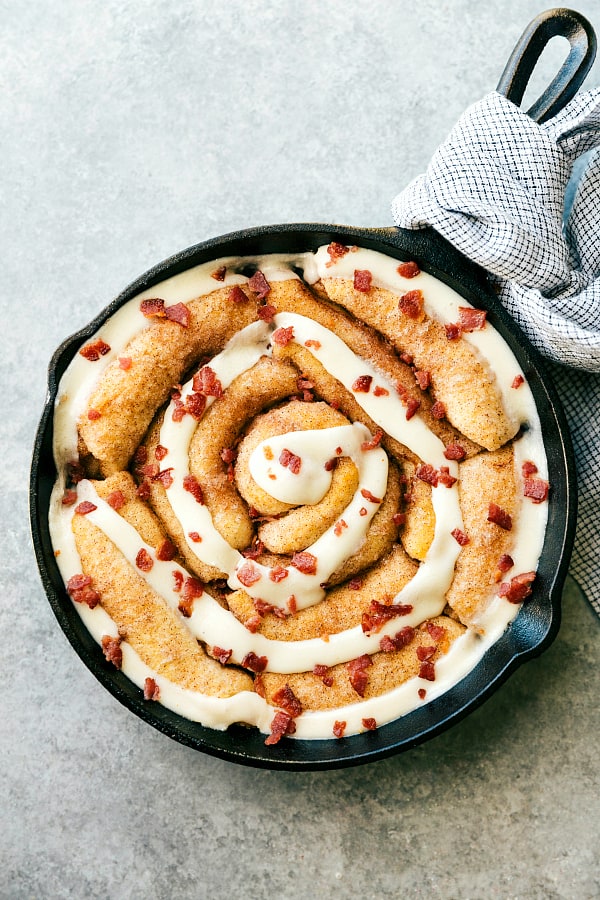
(263, 608)
(517, 381)
(278, 573)
(179, 411)
(536, 489)
(125, 363)
(320, 670)
(93, 415)
(438, 410)
(228, 455)
(437, 632)
(85, 507)
(255, 663)
(178, 313)
(411, 408)
(336, 251)
(427, 670)
(528, 468)
(144, 490)
(355, 584)
(287, 700)
(422, 693)
(330, 465)
(151, 689)
(401, 639)
(153, 307)
(379, 391)
(259, 687)
(150, 470)
(93, 351)
(283, 336)
(79, 588)
(379, 613)
(255, 550)
(165, 477)
(455, 451)
(339, 527)
(206, 382)
(290, 461)
(362, 511)
(471, 319)
(446, 478)
(412, 305)
(408, 270)
(399, 518)
(160, 452)
(166, 551)
(518, 588)
(116, 499)
(75, 472)
(192, 588)
(281, 725)
(460, 537)
(259, 285)
(424, 652)
(195, 405)
(266, 312)
(423, 379)
(140, 457)
(312, 343)
(192, 486)
(505, 563)
(407, 358)
(178, 578)
(252, 624)
(305, 562)
(338, 729)
(362, 280)
(143, 560)
(223, 656)
(369, 724)
(69, 498)
(292, 605)
(111, 647)
(356, 669)
(499, 517)
(219, 274)
(247, 574)
(373, 443)
(236, 295)
(195, 537)
(369, 496)
(453, 331)
(427, 473)
(362, 385)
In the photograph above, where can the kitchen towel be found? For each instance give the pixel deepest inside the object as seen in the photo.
(523, 200)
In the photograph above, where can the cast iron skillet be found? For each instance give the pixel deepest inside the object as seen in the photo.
(538, 621)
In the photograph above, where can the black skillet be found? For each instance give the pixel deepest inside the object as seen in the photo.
(537, 623)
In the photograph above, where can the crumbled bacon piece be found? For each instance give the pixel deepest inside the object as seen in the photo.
(362, 280)
(85, 507)
(160, 452)
(362, 385)
(401, 639)
(518, 588)
(150, 470)
(178, 578)
(408, 269)
(471, 319)
(111, 647)
(437, 632)
(193, 487)
(206, 382)
(422, 693)
(378, 614)
(529, 468)
(339, 729)
(278, 573)
(305, 562)
(453, 331)
(316, 345)
(236, 295)
(255, 549)
(165, 477)
(373, 443)
(69, 498)
(369, 724)
(336, 251)
(355, 584)
(263, 608)
(219, 274)
(427, 473)
(166, 551)
(438, 410)
(192, 588)
(427, 670)
(505, 564)
(281, 725)
(222, 655)
(195, 537)
(357, 671)
(75, 472)
(406, 358)
(292, 605)
(517, 381)
(362, 511)
(455, 451)
(446, 478)
(423, 378)
(151, 689)
(369, 496)
(425, 652)
(460, 537)
(399, 518)
(228, 455)
(252, 624)
(283, 336)
(412, 304)
(259, 686)
(180, 410)
(143, 560)
(79, 588)
(379, 391)
(339, 527)
(536, 489)
(330, 465)
(255, 663)
(248, 574)
(153, 307)
(116, 499)
(144, 490)
(287, 700)
(290, 461)
(499, 517)
(266, 313)
(94, 350)
(125, 363)
(195, 405)
(93, 414)
(259, 285)
(178, 313)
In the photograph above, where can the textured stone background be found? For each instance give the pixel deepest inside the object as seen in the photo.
(132, 129)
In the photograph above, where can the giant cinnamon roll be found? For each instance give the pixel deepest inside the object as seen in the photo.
(293, 491)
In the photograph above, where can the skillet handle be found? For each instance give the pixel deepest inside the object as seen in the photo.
(519, 68)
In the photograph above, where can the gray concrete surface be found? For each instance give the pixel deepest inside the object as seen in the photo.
(132, 129)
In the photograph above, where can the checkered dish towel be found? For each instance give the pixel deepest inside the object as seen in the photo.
(496, 190)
